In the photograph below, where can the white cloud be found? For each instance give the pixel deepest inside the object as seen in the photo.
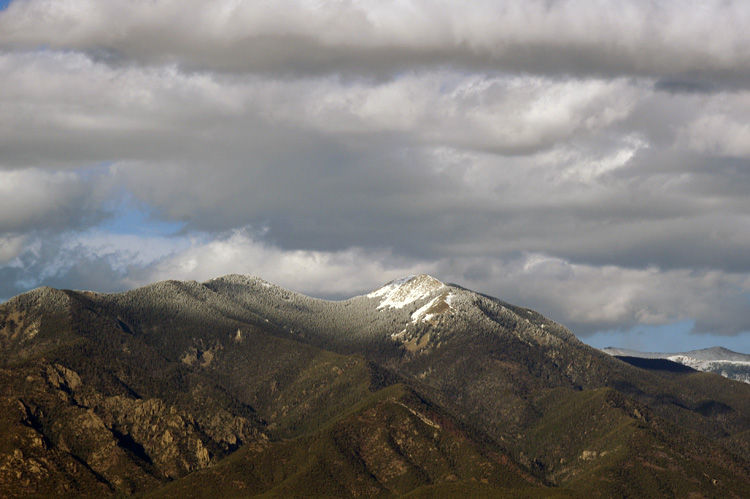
(64, 108)
(502, 114)
(36, 199)
(586, 298)
(364, 140)
(719, 134)
(318, 273)
(79, 110)
(591, 298)
(10, 247)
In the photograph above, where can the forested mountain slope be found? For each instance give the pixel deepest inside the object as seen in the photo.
(236, 387)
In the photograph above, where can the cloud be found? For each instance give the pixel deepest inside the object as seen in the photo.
(719, 134)
(33, 199)
(10, 247)
(589, 298)
(586, 298)
(87, 260)
(505, 115)
(107, 263)
(64, 110)
(430, 163)
(321, 273)
(590, 158)
(302, 37)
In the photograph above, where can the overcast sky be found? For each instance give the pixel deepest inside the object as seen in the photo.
(588, 159)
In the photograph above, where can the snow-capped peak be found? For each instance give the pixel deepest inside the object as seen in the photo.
(401, 292)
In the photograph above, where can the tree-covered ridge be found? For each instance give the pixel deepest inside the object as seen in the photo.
(239, 387)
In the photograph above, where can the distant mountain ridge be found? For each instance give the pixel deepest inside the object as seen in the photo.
(238, 387)
(732, 365)
(712, 353)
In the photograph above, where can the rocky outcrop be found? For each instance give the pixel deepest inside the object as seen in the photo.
(64, 437)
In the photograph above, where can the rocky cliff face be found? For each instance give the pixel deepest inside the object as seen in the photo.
(66, 437)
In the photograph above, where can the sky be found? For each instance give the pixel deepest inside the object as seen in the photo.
(589, 160)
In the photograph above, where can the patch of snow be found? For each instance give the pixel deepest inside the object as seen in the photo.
(708, 365)
(421, 313)
(391, 286)
(716, 353)
(261, 281)
(717, 360)
(738, 370)
(398, 336)
(406, 290)
(706, 354)
(449, 300)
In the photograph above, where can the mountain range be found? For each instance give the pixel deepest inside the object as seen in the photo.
(732, 365)
(235, 387)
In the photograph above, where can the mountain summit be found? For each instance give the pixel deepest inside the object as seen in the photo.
(406, 290)
(239, 387)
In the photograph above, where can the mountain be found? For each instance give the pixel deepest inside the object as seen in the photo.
(732, 365)
(237, 387)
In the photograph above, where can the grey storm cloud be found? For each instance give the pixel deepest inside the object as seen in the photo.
(587, 159)
(652, 38)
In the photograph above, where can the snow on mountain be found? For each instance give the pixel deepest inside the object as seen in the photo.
(733, 369)
(732, 365)
(438, 305)
(624, 352)
(716, 353)
(401, 292)
(247, 280)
